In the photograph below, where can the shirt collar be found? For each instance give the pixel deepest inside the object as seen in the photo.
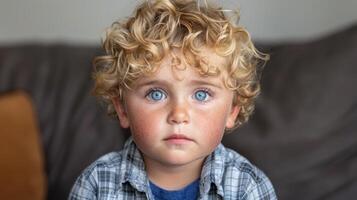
(212, 171)
(133, 166)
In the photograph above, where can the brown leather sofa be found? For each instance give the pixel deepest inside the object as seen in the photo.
(303, 133)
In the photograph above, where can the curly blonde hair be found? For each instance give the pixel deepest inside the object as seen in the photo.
(137, 45)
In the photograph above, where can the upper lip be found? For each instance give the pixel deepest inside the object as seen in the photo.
(177, 136)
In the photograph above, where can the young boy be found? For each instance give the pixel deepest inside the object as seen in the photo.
(178, 75)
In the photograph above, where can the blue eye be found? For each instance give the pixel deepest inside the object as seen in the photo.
(156, 95)
(201, 95)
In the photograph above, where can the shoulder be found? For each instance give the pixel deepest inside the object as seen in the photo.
(243, 179)
(239, 165)
(109, 162)
(102, 172)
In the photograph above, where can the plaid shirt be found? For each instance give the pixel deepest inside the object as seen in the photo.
(121, 175)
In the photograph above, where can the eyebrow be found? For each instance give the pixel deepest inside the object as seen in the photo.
(202, 82)
(164, 82)
(152, 82)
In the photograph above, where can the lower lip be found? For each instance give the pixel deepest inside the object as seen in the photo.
(178, 141)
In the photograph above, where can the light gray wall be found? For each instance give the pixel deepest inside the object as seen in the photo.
(83, 21)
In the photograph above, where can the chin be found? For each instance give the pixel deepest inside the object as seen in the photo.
(184, 160)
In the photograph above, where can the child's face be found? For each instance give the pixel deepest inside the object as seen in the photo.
(178, 118)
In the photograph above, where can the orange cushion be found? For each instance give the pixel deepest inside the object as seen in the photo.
(22, 173)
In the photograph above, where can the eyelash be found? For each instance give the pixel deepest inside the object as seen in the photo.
(152, 90)
(207, 90)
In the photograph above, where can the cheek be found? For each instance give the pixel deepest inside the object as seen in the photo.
(212, 124)
(144, 123)
(142, 130)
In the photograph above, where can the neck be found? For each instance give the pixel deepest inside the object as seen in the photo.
(173, 177)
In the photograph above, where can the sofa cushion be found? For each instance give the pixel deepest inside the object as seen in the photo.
(21, 157)
(304, 132)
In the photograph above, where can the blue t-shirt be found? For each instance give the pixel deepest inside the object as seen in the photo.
(189, 192)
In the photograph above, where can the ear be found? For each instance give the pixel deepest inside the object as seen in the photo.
(121, 112)
(232, 116)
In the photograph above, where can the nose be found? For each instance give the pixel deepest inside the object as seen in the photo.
(179, 113)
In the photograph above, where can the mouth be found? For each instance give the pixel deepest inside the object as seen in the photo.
(177, 139)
